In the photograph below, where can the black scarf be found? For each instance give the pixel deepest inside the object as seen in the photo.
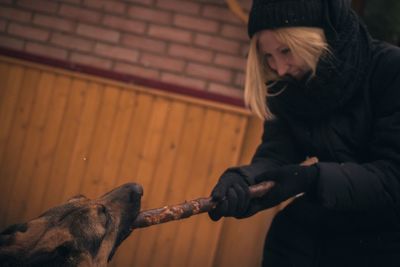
(338, 77)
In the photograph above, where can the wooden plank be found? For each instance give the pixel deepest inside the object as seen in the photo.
(65, 144)
(182, 175)
(150, 153)
(163, 174)
(80, 153)
(10, 91)
(45, 157)
(144, 104)
(150, 156)
(4, 76)
(100, 140)
(15, 142)
(226, 154)
(129, 165)
(144, 159)
(118, 140)
(22, 182)
(195, 185)
(242, 241)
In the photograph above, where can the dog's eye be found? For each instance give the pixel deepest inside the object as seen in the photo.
(103, 214)
(101, 209)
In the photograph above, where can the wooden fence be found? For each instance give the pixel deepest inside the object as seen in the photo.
(64, 133)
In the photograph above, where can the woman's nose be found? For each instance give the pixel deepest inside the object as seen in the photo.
(281, 67)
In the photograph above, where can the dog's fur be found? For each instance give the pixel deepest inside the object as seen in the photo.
(81, 232)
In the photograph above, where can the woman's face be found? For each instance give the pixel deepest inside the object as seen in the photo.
(279, 57)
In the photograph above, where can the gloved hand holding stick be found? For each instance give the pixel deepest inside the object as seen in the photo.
(197, 206)
(189, 208)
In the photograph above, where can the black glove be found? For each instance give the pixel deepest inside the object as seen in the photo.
(290, 180)
(231, 194)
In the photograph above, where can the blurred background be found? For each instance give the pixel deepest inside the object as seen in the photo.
(95, 93)
(382, 18)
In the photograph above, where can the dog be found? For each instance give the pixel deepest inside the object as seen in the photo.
(81, 232)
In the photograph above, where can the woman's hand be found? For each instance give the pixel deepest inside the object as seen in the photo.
(232, 190)
(231, 194)
(290, 180)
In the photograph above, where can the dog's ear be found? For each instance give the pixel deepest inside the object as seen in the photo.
(6, 236)
(21, 227)
(64, 255)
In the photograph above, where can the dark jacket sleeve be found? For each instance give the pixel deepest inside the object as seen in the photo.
(277, 148)
(375, 184)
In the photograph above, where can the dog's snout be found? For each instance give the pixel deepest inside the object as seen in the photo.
(135, 192)
(128, 193)
(135, 188)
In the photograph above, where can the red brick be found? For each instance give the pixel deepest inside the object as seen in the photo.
(239, 80)
(3, 25)
(225, 90)
(170, 34)
(39, 5)
(217, 43)
(161, 62)
(209, 73)
(28, 32)
(80, 13)
(183, 80)
(220, 13)
(235, 32)
(180, 6)
(143, 2)
(122, 24)
(15, 14)
(98, 33)
(72, 42)
(11, 42)
(106, 5)
(149, 14)
(188, 52)
(91, 61)
(54, 23)
(244, 50)
(136, 70)
(245, 4)
(233, 62)
(75, 2)
(143, 43)
(46, 50)
(116, 52)
(197, 24)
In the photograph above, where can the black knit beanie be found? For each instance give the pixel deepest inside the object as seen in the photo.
(271, 14)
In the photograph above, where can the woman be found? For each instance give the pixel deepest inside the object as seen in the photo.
(325, 90)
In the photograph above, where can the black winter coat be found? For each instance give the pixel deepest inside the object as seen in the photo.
(353, 218)
(358, 146)
(348, 116)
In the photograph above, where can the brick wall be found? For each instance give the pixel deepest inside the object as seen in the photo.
(199, 44)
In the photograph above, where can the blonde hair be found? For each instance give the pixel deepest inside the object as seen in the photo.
(305, 42)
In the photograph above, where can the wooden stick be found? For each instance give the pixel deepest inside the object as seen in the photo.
(189, 208)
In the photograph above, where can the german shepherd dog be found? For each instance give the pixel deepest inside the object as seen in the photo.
(81, 232)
